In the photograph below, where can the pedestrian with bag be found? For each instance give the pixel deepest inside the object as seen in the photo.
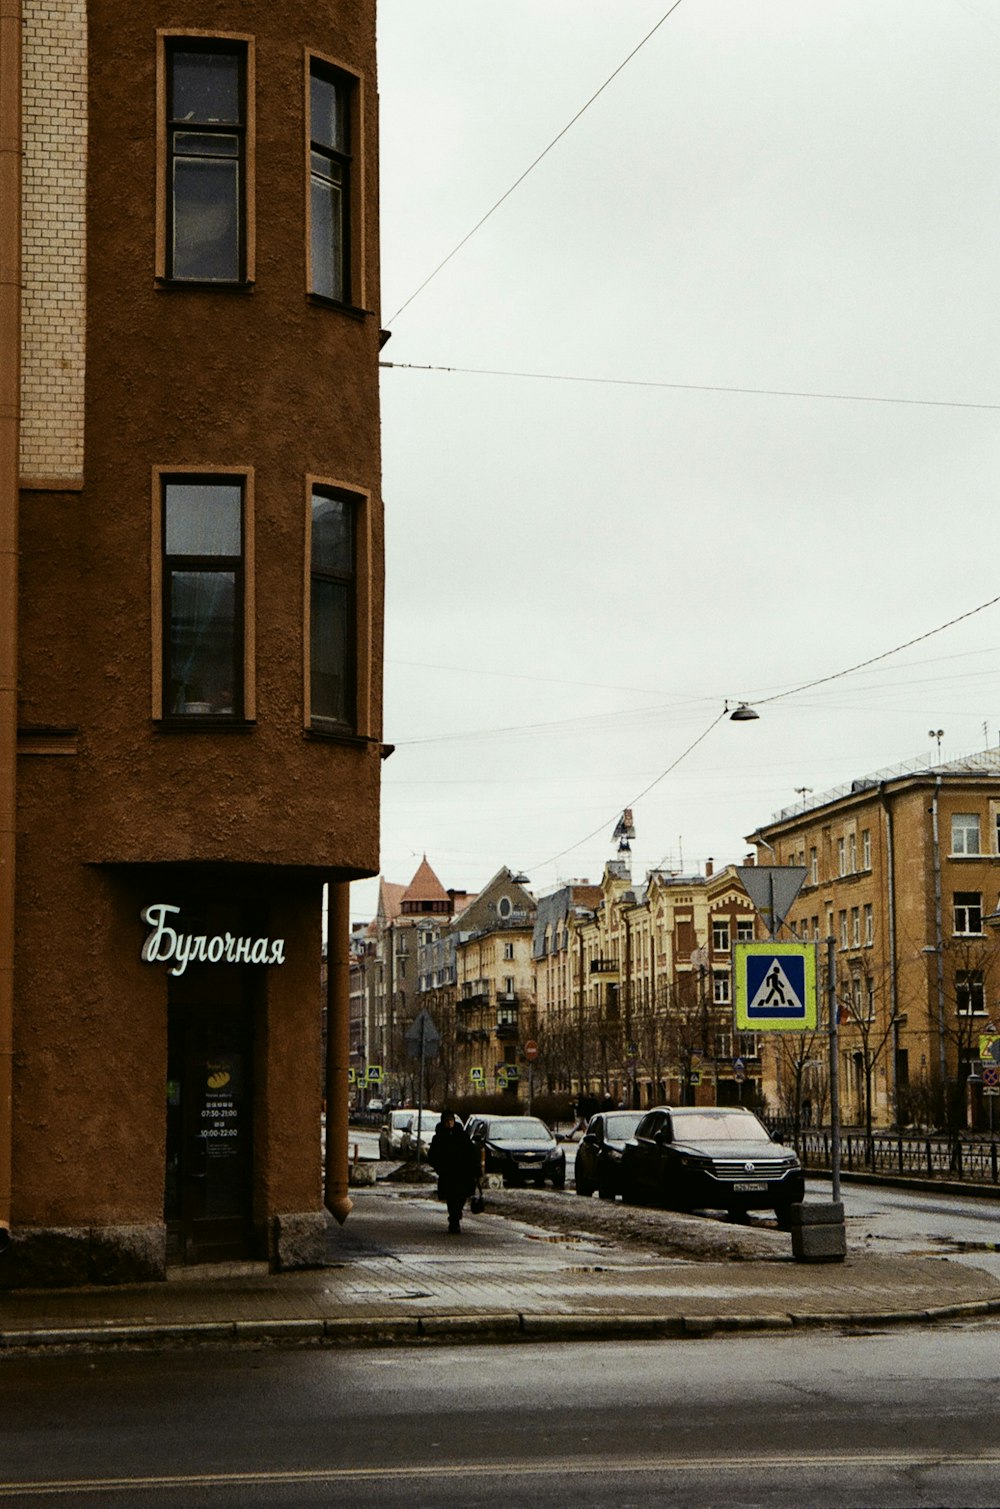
(454, 1158)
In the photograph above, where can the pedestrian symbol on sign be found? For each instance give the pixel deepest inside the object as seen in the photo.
(775, 986)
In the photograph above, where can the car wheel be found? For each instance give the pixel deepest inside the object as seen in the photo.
(605, 1191)
(583, 1188)
(559, 1180)
(784, 1215)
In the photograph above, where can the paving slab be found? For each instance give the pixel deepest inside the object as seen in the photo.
(530, 1267)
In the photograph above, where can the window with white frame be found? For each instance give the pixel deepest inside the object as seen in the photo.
(866, 848)
(720, 936)
(744, 929)
(813, 867)
(852, 852)
(841, 856)
(869, 920)
(967, 913)
(970, 992)
(855, 927)
(843, 930)
(720, 988)
(965, 833)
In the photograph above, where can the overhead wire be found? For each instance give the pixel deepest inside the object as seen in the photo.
(532, 166)
(695, 387)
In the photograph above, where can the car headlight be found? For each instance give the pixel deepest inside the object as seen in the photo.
(690, 1161)
(614, 1154)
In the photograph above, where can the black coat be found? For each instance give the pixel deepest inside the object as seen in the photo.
(455, 1159)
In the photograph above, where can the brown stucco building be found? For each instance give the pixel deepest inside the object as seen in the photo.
(190, 619)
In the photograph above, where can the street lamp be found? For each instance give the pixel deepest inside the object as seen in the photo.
(743, 713)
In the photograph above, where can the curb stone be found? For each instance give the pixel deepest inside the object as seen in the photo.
(459, 1329)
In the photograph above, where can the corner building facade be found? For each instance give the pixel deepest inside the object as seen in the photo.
(194, 475)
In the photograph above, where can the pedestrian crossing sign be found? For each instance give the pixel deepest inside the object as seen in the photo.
(775, 987)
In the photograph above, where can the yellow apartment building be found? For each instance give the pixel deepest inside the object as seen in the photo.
(634, 992)
(903, 873)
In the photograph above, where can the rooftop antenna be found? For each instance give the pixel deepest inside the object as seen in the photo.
(938, 734)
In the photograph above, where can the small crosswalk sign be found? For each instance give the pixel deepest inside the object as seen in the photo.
(775, 987)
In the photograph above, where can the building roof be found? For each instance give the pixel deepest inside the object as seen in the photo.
(425, 886)
(985, 763)
(390, 898)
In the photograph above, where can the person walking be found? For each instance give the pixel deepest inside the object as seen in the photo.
(455, 1160)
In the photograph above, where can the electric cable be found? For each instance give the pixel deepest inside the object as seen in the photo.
(695, 387)
(531, 167)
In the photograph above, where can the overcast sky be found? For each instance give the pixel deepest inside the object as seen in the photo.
(793, 195)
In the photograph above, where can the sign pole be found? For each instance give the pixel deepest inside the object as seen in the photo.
(831, 975)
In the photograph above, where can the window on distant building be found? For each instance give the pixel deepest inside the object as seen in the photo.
(965, 833)
(201, 548)
(967, 912)
(720, 989)
(852, 853)
(813, 867)
(332, 96)
(205, 148)
(869, 923)
(841, 856)
(508, 950)
(970, 992)
(720, 936)
(332, 638)
(744, 930)
(855, 927)
(843, 930)
(866, 848)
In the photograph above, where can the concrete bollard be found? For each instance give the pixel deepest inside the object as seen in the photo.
(818, 1234)
(360, 1174)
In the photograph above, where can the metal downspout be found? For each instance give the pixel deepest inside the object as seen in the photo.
(338, 1047)
(939, 935)
(10, 407)
(890, 854)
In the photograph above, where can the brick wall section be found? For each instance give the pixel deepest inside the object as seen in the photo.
(54, 252)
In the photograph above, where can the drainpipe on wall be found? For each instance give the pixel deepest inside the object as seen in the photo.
(10, 408)
(338, 1047)
(939, 934)
(890, 853)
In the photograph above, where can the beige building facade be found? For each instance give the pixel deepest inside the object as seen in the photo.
(903, 874)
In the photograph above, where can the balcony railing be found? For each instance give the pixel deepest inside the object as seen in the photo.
(468, 1003)
(604, 966)
(506, 1032)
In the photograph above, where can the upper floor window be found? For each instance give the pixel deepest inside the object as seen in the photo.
(970, 992)
(968, 912)
(332, 648)
(720, 937)
(330, 108)
(205, 149)
(866, 848)
(202, 550)
(965, 833)
(720, 989)
(744, 930)
(813, 867)
(841, 856)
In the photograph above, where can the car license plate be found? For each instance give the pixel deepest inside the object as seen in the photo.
(750, 1187)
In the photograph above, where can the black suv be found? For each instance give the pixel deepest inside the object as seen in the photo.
(521, 1148)
(710, 1158)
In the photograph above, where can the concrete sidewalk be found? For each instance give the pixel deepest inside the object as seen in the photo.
(395, 1275)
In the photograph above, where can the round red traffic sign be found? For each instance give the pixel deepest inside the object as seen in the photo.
(530, 1049)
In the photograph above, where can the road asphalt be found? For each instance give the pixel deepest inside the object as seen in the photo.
(532, 1266)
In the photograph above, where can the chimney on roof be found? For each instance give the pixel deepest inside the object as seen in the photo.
(751, 859)
(709, 868)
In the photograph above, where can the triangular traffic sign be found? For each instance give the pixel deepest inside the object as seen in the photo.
(772, 889)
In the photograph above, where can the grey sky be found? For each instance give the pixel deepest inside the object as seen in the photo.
(774, 194)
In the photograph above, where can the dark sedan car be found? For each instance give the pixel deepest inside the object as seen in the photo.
(521, 1148)
(599, 1156)
(710, 1158)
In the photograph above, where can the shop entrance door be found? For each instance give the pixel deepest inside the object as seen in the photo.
(209, 1132)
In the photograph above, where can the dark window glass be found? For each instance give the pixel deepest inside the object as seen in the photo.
(329, 188)
(332, 613)
(206, 149)
(203, 598)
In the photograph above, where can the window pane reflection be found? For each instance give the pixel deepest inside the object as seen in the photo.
(202, 666)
